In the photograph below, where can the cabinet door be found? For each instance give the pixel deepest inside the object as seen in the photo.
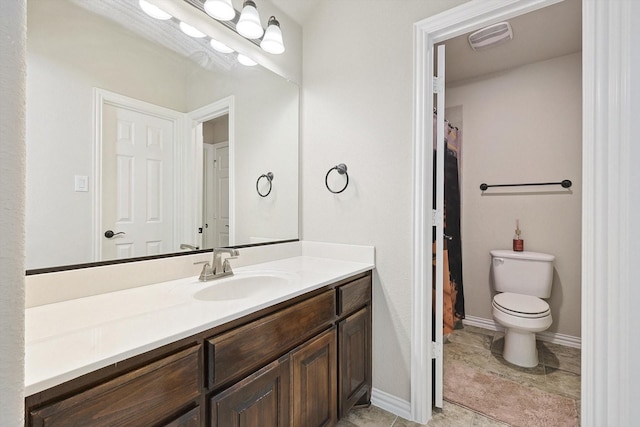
(314, 381)
(260, 400)
(354, 371)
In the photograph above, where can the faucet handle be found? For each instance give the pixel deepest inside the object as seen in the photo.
(206, 273)
(226, 267)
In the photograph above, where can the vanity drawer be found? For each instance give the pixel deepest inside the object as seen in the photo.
(354, 295)
(145, 396)
(236, 353)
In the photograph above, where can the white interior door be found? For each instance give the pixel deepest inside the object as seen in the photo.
(439, 224)
(137, 183)
(216, 195)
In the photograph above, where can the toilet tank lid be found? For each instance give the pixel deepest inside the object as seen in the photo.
(536, 256)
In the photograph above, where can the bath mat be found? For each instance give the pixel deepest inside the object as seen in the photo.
(505, 400)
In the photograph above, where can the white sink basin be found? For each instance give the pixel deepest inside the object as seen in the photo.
(244, 285)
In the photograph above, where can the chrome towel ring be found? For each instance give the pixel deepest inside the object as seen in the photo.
(269, 177)
(342, 170)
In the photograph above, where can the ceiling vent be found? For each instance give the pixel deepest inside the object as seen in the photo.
(491, 36)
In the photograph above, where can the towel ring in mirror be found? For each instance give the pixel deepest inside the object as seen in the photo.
(342, 170)
(269, 177)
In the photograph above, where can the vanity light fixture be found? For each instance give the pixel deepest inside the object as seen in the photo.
(191, 31)
(272, 40)
(249, 25)
(221, 10)
(153, 10)
(245, 60)
(220, 47)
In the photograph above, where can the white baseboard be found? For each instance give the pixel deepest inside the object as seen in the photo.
(391, 403)
(552, 337)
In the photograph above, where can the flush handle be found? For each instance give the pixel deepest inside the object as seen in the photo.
(498, 261)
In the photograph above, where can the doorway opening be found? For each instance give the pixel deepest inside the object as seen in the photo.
(215, 186)
(604, 99)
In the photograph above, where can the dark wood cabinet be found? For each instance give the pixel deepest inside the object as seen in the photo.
(189, 419)
(262, 399)
(354, 336)
(314, 378)
(145, 396)
(242, 350)
(301, 363)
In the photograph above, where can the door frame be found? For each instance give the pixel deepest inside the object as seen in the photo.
(101, 98)
(194, 118)
(606, 33)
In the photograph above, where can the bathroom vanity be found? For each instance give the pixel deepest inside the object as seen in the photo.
(300, 357)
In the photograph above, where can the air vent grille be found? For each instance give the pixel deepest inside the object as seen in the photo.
(491, 36)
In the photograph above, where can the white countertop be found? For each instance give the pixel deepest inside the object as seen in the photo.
(68, 339)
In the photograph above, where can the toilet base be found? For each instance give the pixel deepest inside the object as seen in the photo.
(520, 348)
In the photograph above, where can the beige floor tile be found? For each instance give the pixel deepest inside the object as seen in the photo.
(562, 382)
(401, 422)
(481, 348)
(451, 416)
(562, 357)
(369, 417)
(482, 421)
(471, 336)
(345, 423)
(497, 344)
(469, 355)
(533, 377)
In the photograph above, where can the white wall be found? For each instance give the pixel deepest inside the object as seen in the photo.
(632, 213)
(357, 109)
(523, 125)
(12, 201)
(69, 52)
(266, 140)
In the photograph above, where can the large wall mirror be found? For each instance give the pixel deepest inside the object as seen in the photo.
(142, 141)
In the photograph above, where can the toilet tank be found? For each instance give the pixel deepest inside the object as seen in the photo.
(528, 273)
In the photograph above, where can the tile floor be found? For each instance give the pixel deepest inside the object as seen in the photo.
(558, 372)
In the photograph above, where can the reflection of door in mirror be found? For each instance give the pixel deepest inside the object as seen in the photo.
(137, 178)
(215, 182)
(216, 195)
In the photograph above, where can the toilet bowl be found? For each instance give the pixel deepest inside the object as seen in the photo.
(522, 316)
(521, 279)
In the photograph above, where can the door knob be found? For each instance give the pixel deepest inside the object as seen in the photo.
(109, 233)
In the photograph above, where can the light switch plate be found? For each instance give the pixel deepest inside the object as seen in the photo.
(81, 183)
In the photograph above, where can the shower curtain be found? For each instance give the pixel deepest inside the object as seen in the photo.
(453, 286)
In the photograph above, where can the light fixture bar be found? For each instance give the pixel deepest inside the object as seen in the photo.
(199, 4)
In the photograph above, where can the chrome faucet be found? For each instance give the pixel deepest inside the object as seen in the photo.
(219, 268)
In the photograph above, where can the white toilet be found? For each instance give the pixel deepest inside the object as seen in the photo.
(521, 280)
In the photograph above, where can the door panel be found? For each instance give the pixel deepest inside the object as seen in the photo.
(262, 400)
(314, 382)
(439, 223)
(216, 195)
(137, 183)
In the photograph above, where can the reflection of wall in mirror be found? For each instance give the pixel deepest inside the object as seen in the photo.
(266, 140)
(70, 51)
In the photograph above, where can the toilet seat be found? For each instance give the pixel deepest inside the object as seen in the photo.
(523, 306)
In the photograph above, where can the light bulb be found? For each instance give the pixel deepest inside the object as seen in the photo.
(153, 10)
(272, 40)
(220, 9)
(249, 23)
(245, 60)
(191, 31)
(220, 47)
